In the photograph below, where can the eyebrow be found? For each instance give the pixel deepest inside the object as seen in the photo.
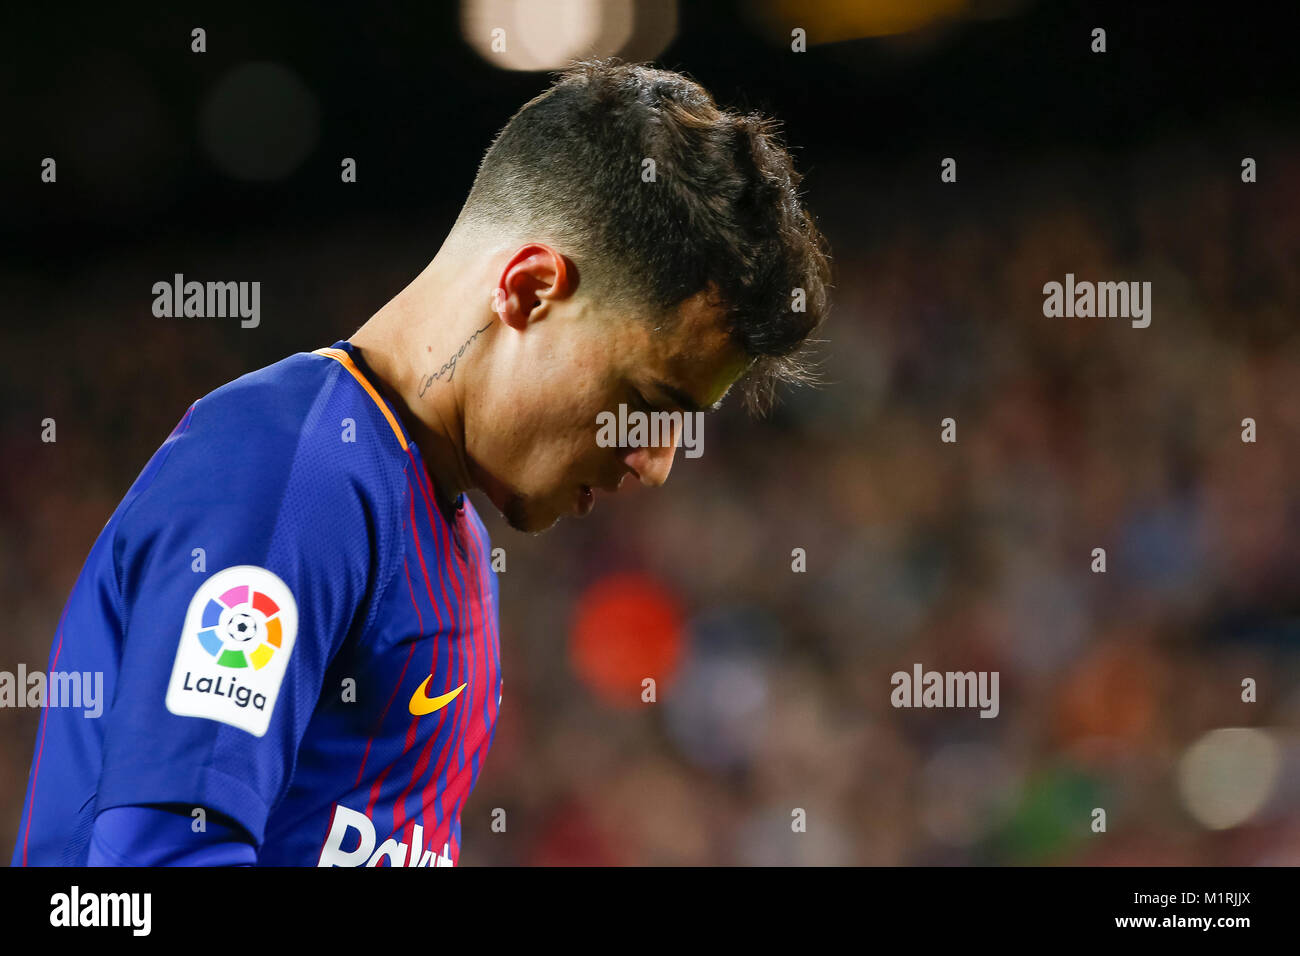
(684, 400)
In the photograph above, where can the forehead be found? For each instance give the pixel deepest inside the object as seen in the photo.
(694, 351)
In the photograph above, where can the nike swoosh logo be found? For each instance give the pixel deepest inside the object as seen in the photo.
(421, 705)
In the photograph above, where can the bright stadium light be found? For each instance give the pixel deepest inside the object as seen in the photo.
(834, 21)
(1228, 775)
(547, 34)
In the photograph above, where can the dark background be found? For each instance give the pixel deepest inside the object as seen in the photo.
(1119, 690)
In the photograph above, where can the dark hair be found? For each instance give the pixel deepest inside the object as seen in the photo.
(723, 212)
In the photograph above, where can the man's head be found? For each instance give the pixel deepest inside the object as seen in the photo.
(649, 249)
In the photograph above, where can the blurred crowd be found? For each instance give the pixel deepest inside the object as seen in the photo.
(770, 738)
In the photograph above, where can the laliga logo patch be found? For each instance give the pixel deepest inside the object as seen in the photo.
(234, 649)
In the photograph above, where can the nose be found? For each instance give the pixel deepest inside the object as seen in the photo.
(652, 464)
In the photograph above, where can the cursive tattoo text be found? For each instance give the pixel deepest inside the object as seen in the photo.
(449, 367)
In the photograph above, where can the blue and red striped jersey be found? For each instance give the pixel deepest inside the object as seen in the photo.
(293, 632)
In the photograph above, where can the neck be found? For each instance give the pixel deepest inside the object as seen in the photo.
(414, 347)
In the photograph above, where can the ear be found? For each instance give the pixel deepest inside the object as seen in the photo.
(535, 276)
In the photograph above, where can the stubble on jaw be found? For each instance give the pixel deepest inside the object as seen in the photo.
(516, 514)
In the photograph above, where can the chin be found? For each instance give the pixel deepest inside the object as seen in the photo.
(523, 512)
(527, 515)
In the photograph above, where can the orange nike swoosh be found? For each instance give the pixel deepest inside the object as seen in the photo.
(421, 705)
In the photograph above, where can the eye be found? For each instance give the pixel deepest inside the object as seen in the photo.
(640, 401)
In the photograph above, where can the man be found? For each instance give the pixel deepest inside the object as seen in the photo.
(293, 606)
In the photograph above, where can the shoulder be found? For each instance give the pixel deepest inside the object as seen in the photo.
(306, 408)
(294, 442)
(273, 405)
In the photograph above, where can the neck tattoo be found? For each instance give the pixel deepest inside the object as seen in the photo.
(448, 368)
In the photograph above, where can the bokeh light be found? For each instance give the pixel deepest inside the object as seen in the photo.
(260, 122)
(1227, 776)
(547, 34)
(627, 628)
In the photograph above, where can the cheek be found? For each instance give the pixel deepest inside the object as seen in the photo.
(575, 428)
(567, 451)
(549, 441)
(547, 431)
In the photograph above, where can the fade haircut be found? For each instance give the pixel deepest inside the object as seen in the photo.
(723, 214)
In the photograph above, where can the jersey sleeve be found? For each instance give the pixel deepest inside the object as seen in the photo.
(166, 836)
(243, 567)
